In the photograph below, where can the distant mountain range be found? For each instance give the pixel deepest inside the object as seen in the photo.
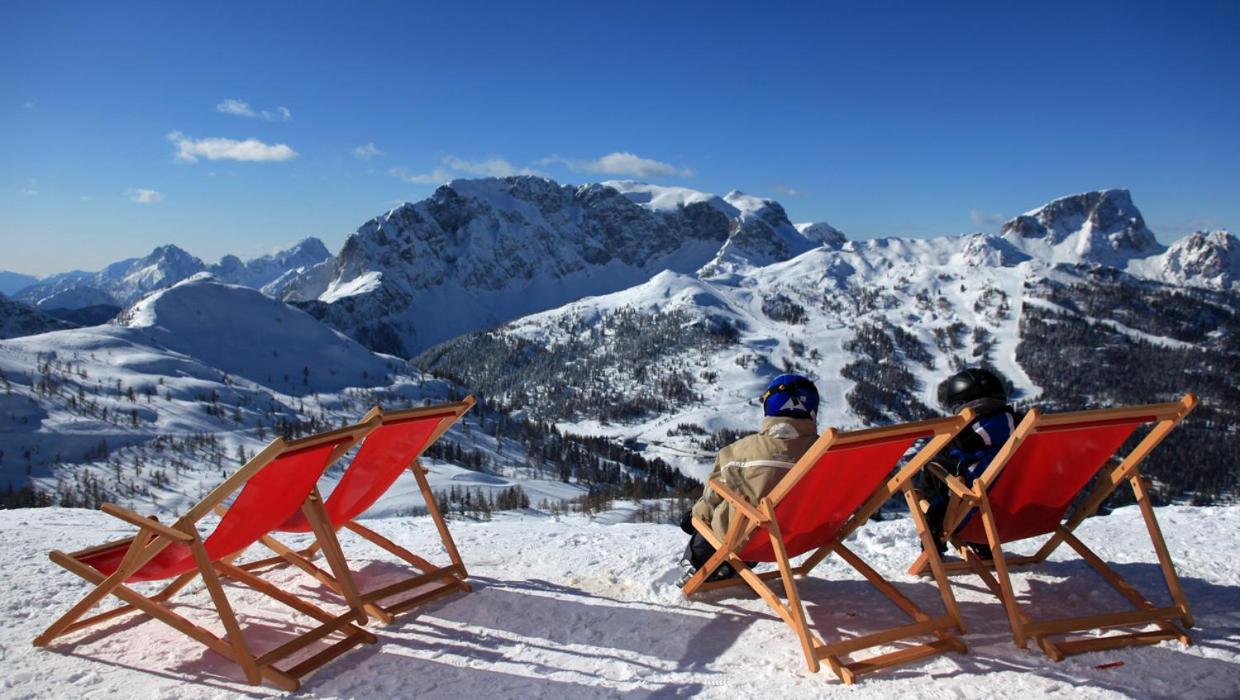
(652, 316)
(126, 281)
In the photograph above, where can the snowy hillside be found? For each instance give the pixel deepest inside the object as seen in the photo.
(916, 308)
(17, 319)
(495, 249)
(265, 340)
(149, 412)
(569, 608)
(676, 363)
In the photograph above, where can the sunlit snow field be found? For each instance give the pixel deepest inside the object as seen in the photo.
(572, 607)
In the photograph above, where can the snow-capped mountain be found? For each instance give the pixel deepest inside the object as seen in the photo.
(676, 363)
(118, 284)
(823, 233)
(126, 281)
(1205, 258)
(760, 232)
(698, 300)
(17, 319)
(272, 273)
(1101, 227)
(481, 252)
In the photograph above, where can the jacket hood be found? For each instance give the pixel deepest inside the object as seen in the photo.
(788, 428)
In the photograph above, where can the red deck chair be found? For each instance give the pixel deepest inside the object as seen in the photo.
(831, 491)
(386, 453)
(274, 484)
(1026, 492)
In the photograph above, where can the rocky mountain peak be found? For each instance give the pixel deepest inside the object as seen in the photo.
(1103, 226)
(823, 233)
(1208, 258)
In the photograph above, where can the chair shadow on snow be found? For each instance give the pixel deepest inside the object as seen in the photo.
(841, 608)
(545, 634)
(523, 638)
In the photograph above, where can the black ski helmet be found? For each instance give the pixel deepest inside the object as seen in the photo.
(970, 385)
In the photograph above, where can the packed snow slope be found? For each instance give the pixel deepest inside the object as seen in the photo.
(571, 608)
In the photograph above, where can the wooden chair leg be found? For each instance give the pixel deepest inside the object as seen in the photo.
(388, 545)
(432, 507)
(326, 538)
(1160, 548)
(140, 551)
(931, 554)
(241, 651)
(1001, 572)
(790, 587)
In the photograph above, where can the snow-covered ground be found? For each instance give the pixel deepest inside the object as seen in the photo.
(577, 608)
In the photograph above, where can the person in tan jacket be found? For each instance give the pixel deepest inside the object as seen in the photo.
(753, 465)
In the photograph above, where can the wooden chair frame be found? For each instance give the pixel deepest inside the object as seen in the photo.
(965, 500)
(154, 536)
(749, 518)
(452, 577)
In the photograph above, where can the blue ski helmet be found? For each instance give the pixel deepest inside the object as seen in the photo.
(790, 395)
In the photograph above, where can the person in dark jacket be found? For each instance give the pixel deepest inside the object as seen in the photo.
(753, 465)
(973, 449)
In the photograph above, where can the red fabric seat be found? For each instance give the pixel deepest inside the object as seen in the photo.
(386, 452)
(273, 494)
(828, 494)
(1037, 485)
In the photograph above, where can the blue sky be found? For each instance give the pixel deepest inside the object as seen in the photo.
(122, 124)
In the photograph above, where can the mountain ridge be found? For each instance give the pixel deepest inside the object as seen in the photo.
(125, 281)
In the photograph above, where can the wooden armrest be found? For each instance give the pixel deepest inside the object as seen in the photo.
(148, 523)
(954, 484)
(737, 500)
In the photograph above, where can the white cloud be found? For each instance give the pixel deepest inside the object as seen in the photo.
(981, 218)
(491, 167)
(238, 108)
(30, 103)
(786, 191)
(622, 163)
(241, 108)
(451, 166)
(87, 198)
(366, 151)
(31, 189)
(143, 196)
(219, 148)
(437, 176)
